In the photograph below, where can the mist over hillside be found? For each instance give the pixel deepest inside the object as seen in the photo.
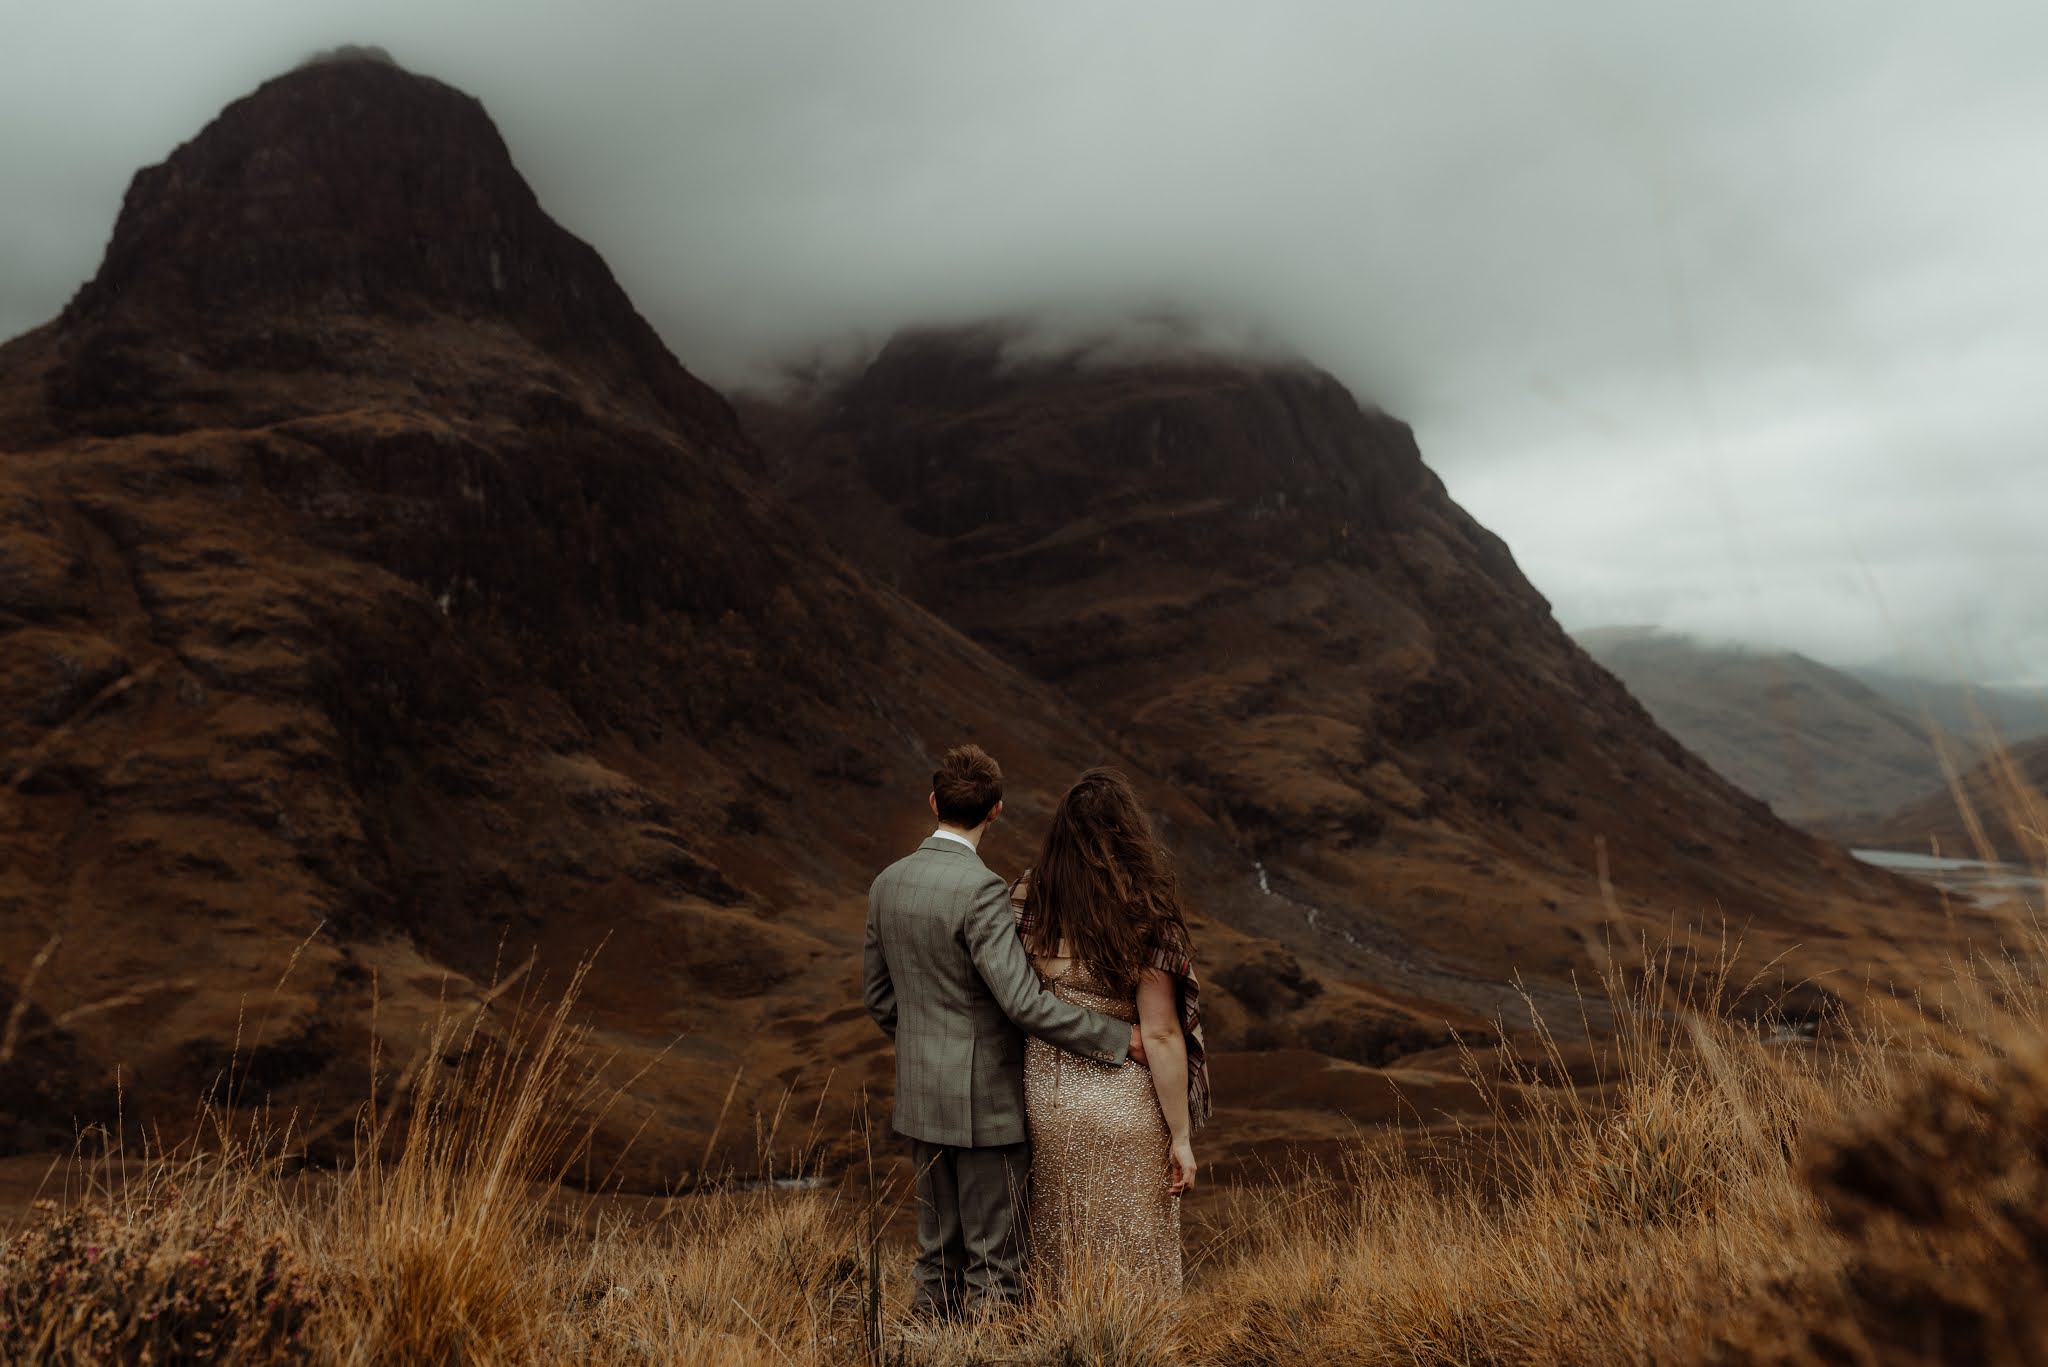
(1962, 709)
(1821, 745)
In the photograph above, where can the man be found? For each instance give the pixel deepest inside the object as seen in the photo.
(947, 978)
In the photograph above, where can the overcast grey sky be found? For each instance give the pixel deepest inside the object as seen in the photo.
(1730, 317)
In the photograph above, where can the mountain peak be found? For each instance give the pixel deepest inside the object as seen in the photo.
(348, 184)
(1018, 422)
(335, 200)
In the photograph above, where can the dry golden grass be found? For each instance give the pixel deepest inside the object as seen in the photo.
(1879, 1195)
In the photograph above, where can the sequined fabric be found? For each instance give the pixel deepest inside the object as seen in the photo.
(1099, 1197)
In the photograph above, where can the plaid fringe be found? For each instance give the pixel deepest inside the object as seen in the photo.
(1176, 963)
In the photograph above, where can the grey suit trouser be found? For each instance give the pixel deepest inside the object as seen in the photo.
(970, 1227)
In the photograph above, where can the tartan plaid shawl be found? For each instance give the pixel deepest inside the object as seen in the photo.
(1176, 963)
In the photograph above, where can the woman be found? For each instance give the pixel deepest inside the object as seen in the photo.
(1112, 1149)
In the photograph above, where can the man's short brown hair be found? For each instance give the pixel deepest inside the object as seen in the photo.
(966, 786)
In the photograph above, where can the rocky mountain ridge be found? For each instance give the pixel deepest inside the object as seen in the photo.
(1267, 594)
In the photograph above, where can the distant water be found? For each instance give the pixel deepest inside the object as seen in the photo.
(1983, 883)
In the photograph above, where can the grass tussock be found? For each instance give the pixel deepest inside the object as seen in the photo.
(1722, 1194)
(1729, 1199)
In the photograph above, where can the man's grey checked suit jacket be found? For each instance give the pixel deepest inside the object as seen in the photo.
(947, 978)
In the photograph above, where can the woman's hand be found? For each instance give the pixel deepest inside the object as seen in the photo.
(1180, 1167)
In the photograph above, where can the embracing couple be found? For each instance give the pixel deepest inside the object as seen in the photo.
(1081, 1135)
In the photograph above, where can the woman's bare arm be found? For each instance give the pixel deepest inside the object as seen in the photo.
(1159, 1022)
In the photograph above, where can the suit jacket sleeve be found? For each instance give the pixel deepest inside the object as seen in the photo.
(877, 989)
(991, 933)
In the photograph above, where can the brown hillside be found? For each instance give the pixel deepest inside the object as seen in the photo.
(1996, 808)
(1267, 594)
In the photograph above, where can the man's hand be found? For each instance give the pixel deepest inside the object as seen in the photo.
(1138, 1047)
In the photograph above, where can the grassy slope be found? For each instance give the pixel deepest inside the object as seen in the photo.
(1879, 1196)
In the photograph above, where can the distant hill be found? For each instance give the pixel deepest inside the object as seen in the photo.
(2004, 795)
(1821, 746)
(1962, 709)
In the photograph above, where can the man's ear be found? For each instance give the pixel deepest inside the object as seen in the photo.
(995, 811)
(932, 800)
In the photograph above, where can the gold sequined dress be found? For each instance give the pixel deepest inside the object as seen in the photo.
(1099, 1151)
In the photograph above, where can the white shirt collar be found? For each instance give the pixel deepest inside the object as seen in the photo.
(943, 834)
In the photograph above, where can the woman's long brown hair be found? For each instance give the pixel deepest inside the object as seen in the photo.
(1104, 885)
